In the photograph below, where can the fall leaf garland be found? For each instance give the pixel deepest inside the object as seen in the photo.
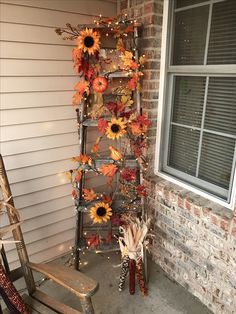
(117, 118)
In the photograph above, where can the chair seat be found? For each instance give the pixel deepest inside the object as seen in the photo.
(36, 307)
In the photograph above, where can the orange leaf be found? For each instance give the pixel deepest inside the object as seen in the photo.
(95, 149)
(129, 29)
(83, 158)
(78, 176)
(74, 194)
(136, 129)
(89, 194)
(77, 98)
(106, 199)
(82, 87)
(115, 153)
(108, 170)
(132, 83)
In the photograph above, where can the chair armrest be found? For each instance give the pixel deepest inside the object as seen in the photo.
(69, 278)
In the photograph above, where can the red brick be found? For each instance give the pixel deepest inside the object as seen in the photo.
(214, 219)
(197, 211)
(224, 224)
(188, 204)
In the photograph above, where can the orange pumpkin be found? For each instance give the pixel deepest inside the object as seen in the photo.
(100, 84)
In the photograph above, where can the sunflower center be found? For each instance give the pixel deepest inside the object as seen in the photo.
(101, 211)
(88, 41)
(115, 128)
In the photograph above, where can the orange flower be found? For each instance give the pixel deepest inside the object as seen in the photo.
(89, 194)
(115, 153)
(108, 170)
(82, 87)
(89, 41)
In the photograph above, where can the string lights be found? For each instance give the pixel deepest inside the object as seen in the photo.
(116, 119)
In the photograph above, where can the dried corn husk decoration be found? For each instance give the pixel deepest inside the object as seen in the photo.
(123, 272)
(133, 241)
(141, 279)
(132, 267)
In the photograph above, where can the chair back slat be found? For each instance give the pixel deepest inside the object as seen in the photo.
(17, 233)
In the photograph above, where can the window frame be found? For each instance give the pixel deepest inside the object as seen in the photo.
(167, 73)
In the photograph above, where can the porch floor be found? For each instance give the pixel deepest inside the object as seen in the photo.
(165, 296)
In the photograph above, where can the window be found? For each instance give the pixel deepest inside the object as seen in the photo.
(198, 134)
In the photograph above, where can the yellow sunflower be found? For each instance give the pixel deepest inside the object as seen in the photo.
(116, 128)
(89, 41)
(100, 212)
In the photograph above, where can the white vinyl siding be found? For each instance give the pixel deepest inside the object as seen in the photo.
(38, 123)
(199, 132)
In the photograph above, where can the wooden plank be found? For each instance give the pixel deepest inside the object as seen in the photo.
(46, 207)
(10, 67)
(69, 278)
(35, 158)
(37, 171)
(37, 16)
(49, 230)
(31, 34)
(35, 115)
(36, 305)
(51, 253)
(37, 184)
(24, 51)
(53, 303)
(9, 133)
(48, 220)
(106, 7)
(43, 196)
(29, 84)
(39, 143)
(38, 246)
(36, 99)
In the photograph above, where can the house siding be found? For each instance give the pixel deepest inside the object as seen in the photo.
(38, 123)
(195, 239)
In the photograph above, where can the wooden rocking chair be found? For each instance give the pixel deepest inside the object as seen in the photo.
(38, 302)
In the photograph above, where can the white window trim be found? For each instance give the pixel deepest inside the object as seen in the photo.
(163, 75)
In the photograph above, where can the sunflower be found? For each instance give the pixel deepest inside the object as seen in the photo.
(116, 128)
(100, 212)
(89, 41)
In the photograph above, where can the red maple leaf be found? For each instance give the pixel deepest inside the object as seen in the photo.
(129, 174)
(102, 125)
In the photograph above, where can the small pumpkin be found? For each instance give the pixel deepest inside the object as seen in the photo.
(100, 84)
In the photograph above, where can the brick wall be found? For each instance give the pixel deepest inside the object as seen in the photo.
(195, 239)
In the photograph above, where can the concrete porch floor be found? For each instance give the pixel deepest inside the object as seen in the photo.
(165, 296)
